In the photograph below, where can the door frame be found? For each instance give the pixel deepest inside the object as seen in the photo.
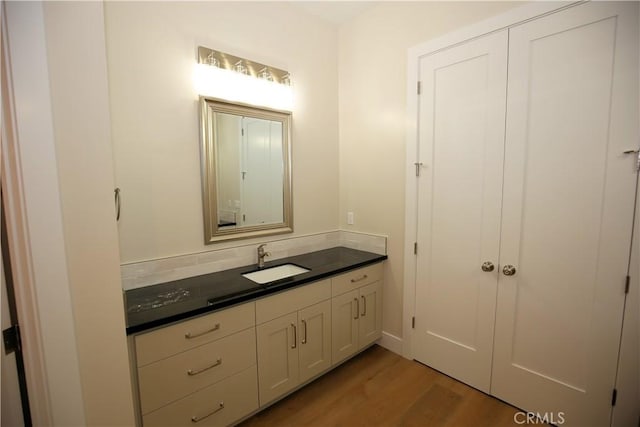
(500, 22)
(14, 209)
(626, 407)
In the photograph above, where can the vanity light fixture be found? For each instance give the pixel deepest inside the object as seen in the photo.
(265, 74)
(224, 76)
(212, 60)
(240, 68)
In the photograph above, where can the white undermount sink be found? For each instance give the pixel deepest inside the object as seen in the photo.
(272, 274)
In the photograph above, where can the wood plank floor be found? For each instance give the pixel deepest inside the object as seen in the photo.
(380, 388)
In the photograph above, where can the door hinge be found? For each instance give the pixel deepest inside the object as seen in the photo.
(637, 153)
(415, 248)
(413, 322)
(11, 339)
(614, 397)
(627, 284)
(419, 87)
(418, 166)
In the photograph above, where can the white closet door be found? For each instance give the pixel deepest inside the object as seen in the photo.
(461, 122)
(568, 207)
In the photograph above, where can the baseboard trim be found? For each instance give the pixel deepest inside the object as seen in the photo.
(391, 343)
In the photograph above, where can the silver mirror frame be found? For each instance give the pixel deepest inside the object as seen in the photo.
(212, 232)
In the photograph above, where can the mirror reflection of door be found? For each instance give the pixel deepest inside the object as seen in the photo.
(249, 171)
(228, 146)
(262, 172)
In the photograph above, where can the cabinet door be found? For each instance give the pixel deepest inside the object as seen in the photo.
(344, 326)
(370, 322)
(462, 116)
(568, 209)
(277, 357)
(314, 339)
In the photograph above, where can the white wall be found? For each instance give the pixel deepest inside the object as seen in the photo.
(372, 103)
(151, 49)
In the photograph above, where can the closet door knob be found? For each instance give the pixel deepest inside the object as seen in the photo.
(508, 270)
(488, 266)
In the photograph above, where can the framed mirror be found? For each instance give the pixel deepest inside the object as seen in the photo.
(246, 170)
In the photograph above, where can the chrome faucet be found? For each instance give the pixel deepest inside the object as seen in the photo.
(261, 255)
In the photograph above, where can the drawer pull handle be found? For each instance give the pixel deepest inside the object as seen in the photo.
(357, 315)
(364, 276)
(295, 336)
(364, 304)
(304, 339)
(189, 335)
(192, 372)
(195, 419)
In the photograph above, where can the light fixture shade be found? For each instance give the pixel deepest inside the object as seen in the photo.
(232, 86)
(239, 67)
(265, 74)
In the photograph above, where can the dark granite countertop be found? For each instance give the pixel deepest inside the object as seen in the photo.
(158, 305)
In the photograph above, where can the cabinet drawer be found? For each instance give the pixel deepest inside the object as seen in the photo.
(218, 405)
(169, 379)
(171, 340)
(354, 279)
(292, 300)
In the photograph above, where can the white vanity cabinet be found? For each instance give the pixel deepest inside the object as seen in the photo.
(200, 371)
(293, 338)
(220, 368)
(356, 311)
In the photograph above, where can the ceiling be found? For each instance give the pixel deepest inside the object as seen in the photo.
(335, 12)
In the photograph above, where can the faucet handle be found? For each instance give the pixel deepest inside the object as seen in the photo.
(261, 255)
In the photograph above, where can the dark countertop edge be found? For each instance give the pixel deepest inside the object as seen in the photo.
(248, 296)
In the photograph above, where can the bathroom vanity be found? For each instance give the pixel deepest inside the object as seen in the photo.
(215, 349)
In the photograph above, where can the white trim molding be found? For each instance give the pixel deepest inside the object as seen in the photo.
(391, 343)
(36, 240)
(18, 238)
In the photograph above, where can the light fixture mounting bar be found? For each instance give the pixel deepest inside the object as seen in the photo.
(227, 61)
